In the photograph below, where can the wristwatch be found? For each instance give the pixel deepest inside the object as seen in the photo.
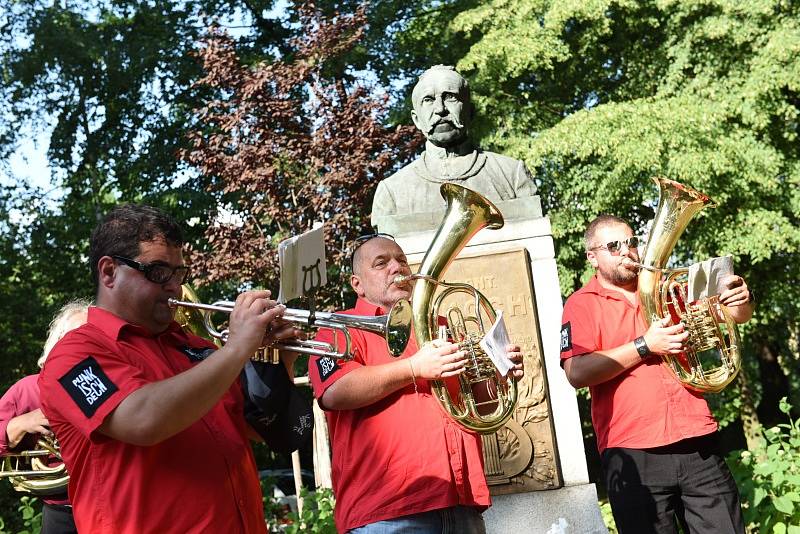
(641, 347)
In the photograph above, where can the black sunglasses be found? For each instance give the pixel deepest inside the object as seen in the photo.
(360, 240)
(614, 247)
(158, 273)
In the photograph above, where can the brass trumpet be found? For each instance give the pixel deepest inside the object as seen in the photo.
(395, 327)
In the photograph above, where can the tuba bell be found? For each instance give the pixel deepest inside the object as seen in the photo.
(467, 213)
(713, 335)
(39, 471)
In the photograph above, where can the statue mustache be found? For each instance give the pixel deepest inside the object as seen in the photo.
(453, 121)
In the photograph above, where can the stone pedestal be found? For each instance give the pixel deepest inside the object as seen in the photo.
(557, 498)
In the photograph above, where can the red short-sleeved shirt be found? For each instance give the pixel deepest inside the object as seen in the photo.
(203, 479)
(645, 406)
(401, 455)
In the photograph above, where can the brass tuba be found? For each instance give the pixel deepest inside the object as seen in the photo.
(467, 213)
(713, 335)
(39, 471)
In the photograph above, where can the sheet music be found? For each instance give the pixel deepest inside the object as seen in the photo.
(494, 344)
(705, 278)
(302, 263)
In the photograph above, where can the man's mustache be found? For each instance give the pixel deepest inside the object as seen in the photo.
(454, 122)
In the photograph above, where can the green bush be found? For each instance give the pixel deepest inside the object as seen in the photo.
(769, 479)
(30, 512)
(317, 516)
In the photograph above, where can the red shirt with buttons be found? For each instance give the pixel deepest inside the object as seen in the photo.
(203, 479)
(644, 406)
(401, 455)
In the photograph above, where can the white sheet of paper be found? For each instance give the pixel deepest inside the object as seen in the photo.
(494, 344)
(302, 263)
(705, 278)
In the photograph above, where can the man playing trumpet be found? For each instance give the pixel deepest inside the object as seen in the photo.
(399, 463)
(150, 417)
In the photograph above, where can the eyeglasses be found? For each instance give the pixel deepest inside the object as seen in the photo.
(360, 240)
(614, 247)
(158, 273)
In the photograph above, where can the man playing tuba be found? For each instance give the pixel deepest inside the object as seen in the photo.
(657, 439)
(399, 462)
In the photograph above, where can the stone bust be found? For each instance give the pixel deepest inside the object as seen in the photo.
(442, 111)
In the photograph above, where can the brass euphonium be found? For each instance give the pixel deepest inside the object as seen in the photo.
(713, 335)
(467, 213)
(39, 471)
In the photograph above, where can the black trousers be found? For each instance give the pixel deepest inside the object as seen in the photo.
(686, 483)
(57, 519)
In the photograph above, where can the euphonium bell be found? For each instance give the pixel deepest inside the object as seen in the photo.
(467, 213)
(39, 471)
(713, 335)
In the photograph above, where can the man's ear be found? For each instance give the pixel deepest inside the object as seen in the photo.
(106, 271)
(355, 283)
(415, 119)
(592, 257)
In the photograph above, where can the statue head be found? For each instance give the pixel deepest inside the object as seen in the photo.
(442, 108)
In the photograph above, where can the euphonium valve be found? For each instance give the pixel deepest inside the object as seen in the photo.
(484, 400)
(713, 335)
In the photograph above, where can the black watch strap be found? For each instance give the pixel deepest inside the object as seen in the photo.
(641, 347)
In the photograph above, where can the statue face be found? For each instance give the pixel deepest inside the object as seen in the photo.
(441, 108)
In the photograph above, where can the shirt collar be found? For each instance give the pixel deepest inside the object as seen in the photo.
(363, 307)
(594, 286)
(438, 152)
(112, 325)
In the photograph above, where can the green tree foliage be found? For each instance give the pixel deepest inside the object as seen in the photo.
(598, 96)
(768, 477)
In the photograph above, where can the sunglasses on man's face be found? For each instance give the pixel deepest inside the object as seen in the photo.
(360, 240)
(614, 247)
(158, 273)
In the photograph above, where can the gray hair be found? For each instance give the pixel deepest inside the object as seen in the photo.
(59, 325)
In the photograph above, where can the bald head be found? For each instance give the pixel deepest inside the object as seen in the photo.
(601, 221)
(376, 264)
(436, 75)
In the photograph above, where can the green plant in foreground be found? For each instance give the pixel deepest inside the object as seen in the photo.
(317, 515)
(769, 479)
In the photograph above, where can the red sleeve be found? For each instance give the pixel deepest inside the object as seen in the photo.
(85, 379)
(21, 398)
(579, 329)
(325, 371)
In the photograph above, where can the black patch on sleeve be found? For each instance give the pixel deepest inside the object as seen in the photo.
(199, 354)
(88, 385)
(566, 337)
(326, 367)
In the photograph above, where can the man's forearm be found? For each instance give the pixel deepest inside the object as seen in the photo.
(598, 367)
